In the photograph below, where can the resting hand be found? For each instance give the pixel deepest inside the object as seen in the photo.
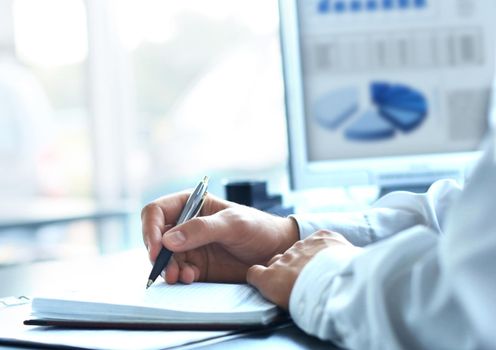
(276, 281)
(219, 245)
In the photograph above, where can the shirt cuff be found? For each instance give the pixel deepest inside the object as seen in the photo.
(354, 226)
(312, 289)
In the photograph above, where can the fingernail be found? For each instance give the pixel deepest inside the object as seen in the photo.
(176, 238)
(162, 274)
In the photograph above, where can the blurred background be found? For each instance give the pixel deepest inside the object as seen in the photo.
(108, 104)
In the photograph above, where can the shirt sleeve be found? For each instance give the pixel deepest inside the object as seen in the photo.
(420, 289)
(389, 215)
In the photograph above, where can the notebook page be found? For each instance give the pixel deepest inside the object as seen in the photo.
(206, 297)
(157, 302)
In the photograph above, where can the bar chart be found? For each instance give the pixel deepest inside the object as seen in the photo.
(356, 6)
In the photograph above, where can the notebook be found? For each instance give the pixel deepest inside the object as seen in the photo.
(205, 306)
(13, 334)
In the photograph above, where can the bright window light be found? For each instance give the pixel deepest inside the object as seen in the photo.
(50, 32)
(154, 21)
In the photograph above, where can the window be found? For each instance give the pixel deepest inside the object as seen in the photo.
(135, 99)
(209, 96)
(51, 47)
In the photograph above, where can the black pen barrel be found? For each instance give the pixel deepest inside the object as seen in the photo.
(162, 260)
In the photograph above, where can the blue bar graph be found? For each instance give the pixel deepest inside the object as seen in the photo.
(387, 4)
(356, 6)
(372, 5)
(324, 6)
(337, 7)
(420, 3)
(340, 6)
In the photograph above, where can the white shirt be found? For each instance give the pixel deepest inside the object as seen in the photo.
(426, 278)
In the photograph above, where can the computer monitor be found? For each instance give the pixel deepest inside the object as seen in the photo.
(393, 93)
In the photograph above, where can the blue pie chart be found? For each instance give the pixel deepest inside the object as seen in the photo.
(395, 108)
(370, 126)
(402, 106)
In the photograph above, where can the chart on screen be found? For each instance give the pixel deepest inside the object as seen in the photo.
(394, 109)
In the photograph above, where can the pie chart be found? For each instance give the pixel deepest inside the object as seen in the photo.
(336, 107)
(370, 126)
(395, 108)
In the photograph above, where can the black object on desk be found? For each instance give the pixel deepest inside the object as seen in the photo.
(254, 194)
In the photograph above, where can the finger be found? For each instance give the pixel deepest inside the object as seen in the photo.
(195, 233)
(170, 206)
(189, 273)
(152, 225)
(254, 276)
(172, 271)
(274, 259)
(153, 250)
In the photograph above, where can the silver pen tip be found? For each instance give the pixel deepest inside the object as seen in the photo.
(205, 180)
(149, 283)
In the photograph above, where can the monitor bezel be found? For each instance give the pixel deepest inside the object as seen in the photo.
(387, 171)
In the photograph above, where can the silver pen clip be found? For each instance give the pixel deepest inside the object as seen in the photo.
(195, 202)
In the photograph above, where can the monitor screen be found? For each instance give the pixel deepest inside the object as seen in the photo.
(386, 92)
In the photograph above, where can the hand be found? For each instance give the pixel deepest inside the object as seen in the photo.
(219, 245)
(276, 281)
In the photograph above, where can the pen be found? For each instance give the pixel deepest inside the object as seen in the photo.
(191, 209)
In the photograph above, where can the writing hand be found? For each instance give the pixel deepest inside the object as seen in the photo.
(219, 245)
(276, 280)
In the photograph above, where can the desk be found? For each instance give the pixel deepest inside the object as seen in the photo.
(39, 278)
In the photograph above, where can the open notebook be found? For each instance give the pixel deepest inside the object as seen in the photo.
(162, 306)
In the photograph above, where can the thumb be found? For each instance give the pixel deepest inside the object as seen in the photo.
(195, 233)
(254, 275)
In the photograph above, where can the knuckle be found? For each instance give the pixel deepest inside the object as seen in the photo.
(201, 223)
(298, 244)
(251, 275)
(286, 258)
(150, 207)
(274, 259)
(234, 214)
(323, 241)
(251, 270)
(323, 233)
(237, 217)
